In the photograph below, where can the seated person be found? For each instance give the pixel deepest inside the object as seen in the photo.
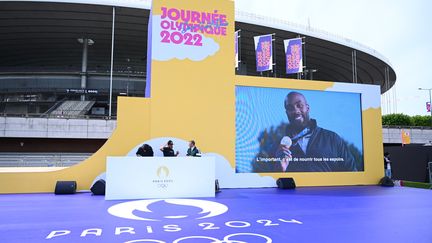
(192, 150)
(168, 150)
(145, 150)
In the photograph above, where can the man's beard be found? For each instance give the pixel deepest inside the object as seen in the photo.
(299, 122)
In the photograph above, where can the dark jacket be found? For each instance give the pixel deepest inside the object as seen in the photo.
(192, 152)
(168, 152)
(323, 144)
(145, 151)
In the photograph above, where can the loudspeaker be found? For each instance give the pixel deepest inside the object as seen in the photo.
(98, 187)
(286, 183)
(386, 181)
(65, 187)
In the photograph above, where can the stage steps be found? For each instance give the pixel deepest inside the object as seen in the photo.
(73, 108)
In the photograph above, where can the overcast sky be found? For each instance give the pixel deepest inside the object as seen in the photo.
(401, 30)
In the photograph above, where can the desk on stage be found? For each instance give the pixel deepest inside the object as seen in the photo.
(159, 177)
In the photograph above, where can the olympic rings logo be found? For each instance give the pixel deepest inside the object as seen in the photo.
(163, 186)
(226, 239)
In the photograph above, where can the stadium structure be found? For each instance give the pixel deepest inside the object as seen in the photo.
(64, 63)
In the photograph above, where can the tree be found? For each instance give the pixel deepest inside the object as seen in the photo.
(422, 121)
(405, 120)
(397, 120)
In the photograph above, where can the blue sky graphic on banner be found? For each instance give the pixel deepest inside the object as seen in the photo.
(261, 118)
(293, 55)
(263, 52)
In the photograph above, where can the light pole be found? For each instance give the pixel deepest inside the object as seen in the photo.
(129, 72)
(86, 43)
(430, 100)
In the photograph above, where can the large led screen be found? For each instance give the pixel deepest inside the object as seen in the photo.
(287, 130)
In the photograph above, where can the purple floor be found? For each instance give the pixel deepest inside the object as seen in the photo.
(320, 214)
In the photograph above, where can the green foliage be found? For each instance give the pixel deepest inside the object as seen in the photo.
(405, 120)
(417, 184)
(422, 121)
(397, 120)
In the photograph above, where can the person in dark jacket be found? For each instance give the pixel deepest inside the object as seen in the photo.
(168, 150)
(313, 148)
(192, 150)
(145, 151)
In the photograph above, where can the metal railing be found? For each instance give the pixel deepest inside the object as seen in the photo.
(41, 159)
(64, 116)
(408, 127)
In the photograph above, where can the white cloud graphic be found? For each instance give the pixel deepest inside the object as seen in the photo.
(226, 175)
(371, 94)
(167, 51)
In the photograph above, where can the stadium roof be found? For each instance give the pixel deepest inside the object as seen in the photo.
(42, 37)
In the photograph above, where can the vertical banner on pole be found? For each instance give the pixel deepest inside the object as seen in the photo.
(236, 39)
(293, 55)
(263, 52)
(428, 106)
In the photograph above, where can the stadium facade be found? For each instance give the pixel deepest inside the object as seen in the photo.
(58, 59)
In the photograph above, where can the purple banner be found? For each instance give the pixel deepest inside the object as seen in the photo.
(428, 106)
(293, 55)
(264, 53)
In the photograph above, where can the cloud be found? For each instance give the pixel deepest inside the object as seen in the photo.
(370, 94)
(167, 51)
(225, 174)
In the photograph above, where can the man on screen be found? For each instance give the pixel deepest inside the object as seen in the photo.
(310, 147)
